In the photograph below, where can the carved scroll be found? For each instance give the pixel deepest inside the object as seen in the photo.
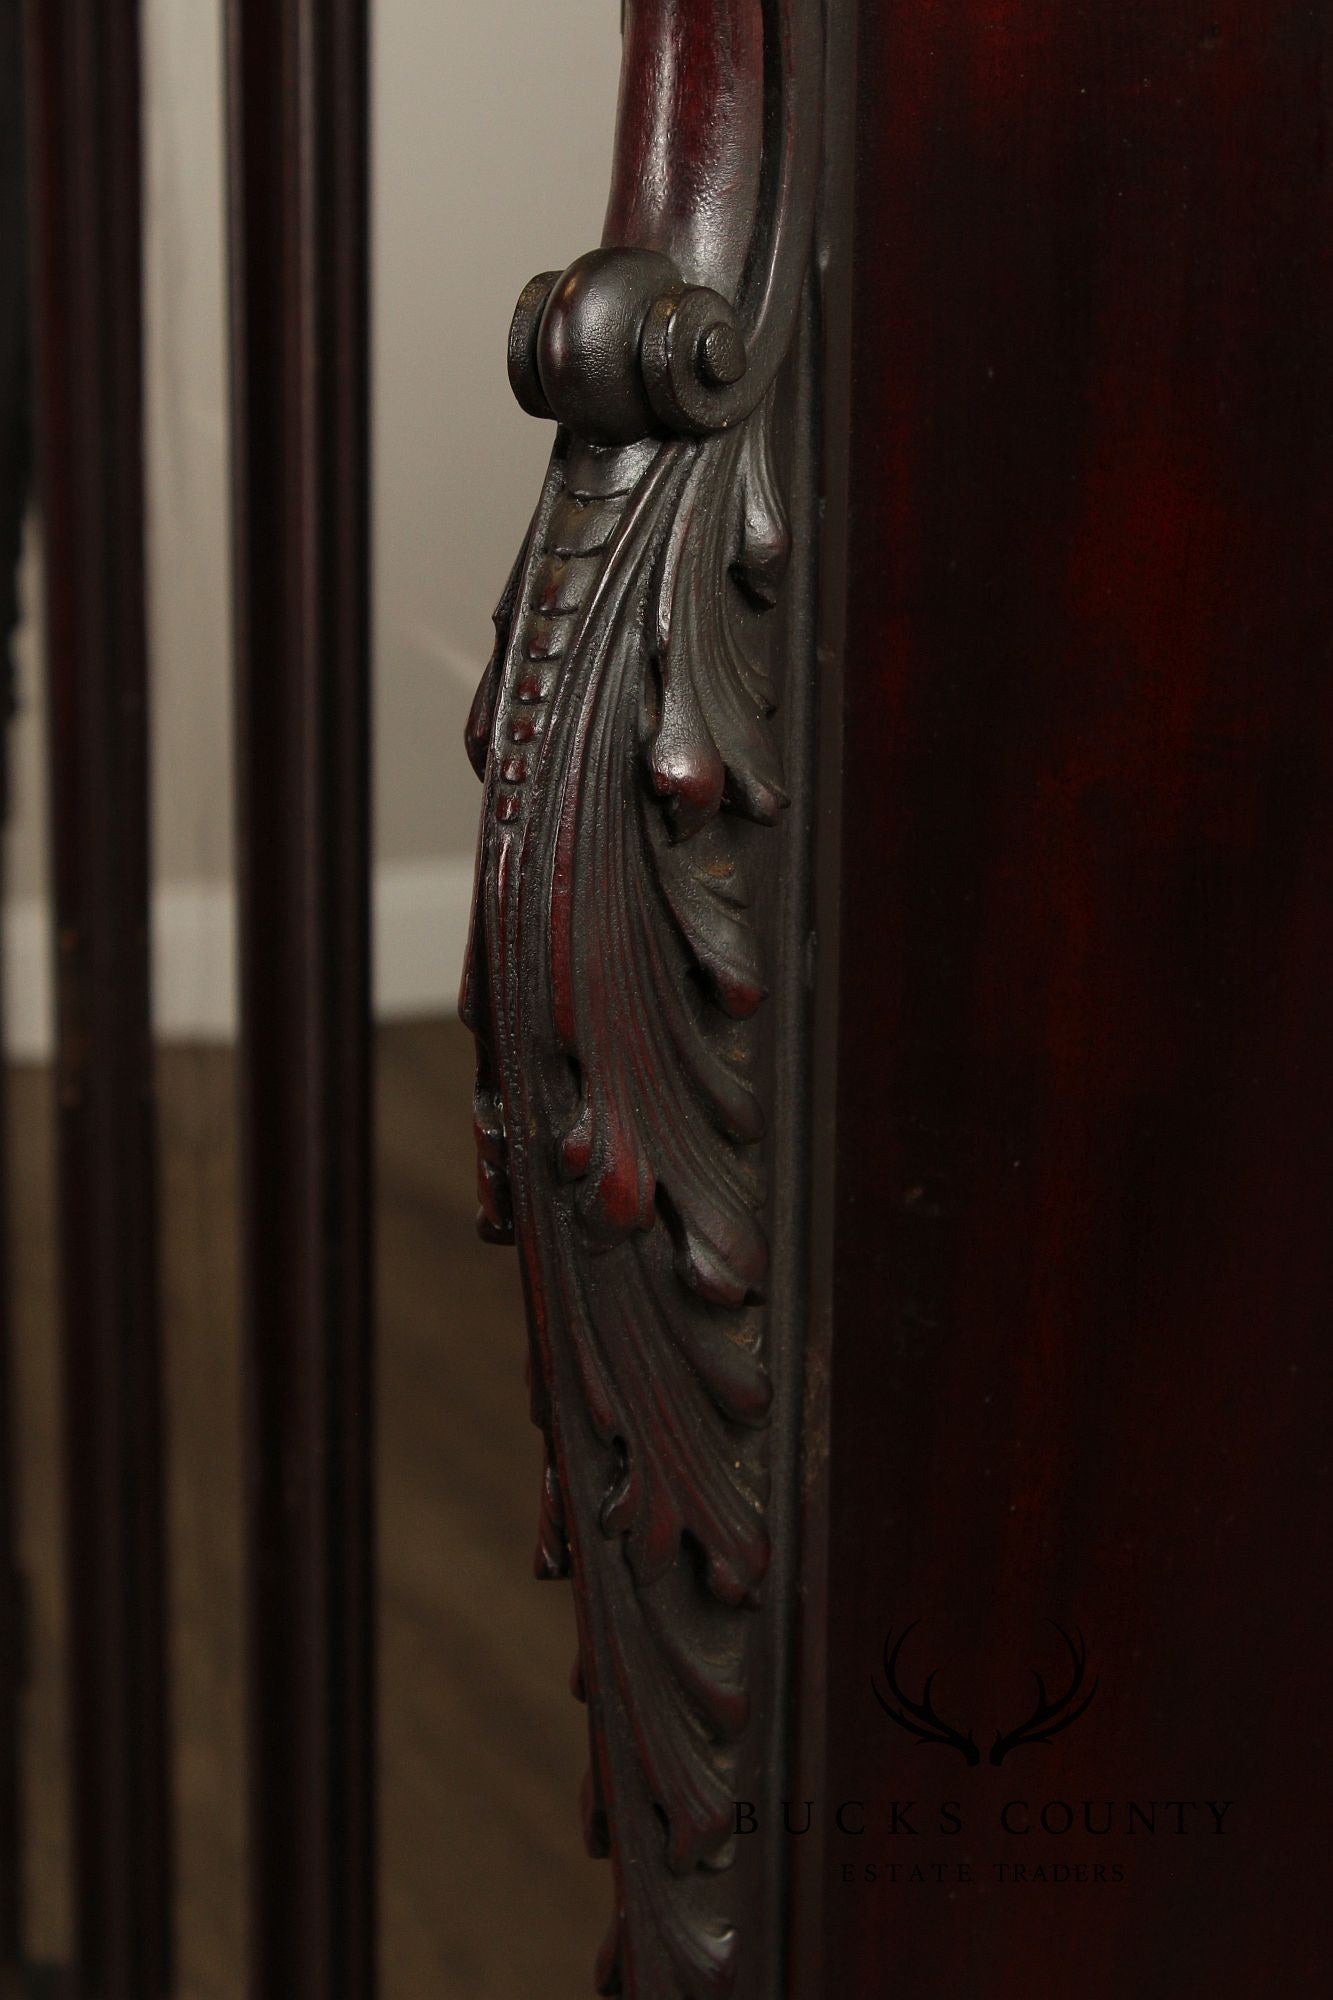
(624, 731)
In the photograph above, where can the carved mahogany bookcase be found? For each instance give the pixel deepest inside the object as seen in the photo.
(899, 971)
(902, 925)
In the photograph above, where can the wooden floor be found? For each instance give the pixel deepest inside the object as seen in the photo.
(485, 1887)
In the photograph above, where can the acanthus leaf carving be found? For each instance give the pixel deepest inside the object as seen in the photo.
(625, 730)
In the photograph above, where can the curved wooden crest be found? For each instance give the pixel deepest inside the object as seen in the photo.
(616, 983)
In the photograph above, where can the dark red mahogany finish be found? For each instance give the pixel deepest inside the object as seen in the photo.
(636, 973)
(83, 101)
(299, 97)
(1083, 1256)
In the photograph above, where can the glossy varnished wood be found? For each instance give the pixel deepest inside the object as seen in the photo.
(638, 958)
(83, 97)
(299, 93)
(1080, 1276)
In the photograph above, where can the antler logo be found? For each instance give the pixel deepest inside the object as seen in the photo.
(924, 1724)
(919, 1718)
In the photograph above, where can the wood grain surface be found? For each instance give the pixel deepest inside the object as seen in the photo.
(1083, 1265)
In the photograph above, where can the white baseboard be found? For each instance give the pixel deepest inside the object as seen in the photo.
(421, 911)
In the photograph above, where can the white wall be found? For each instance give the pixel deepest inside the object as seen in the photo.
(492, 147)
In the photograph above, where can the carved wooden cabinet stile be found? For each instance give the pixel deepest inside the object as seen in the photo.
(899, 962)
(632, 738)
(901, 928)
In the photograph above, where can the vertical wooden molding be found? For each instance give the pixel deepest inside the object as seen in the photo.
(833, 392)
(83, 98)
(630, 922)
(299, 94)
